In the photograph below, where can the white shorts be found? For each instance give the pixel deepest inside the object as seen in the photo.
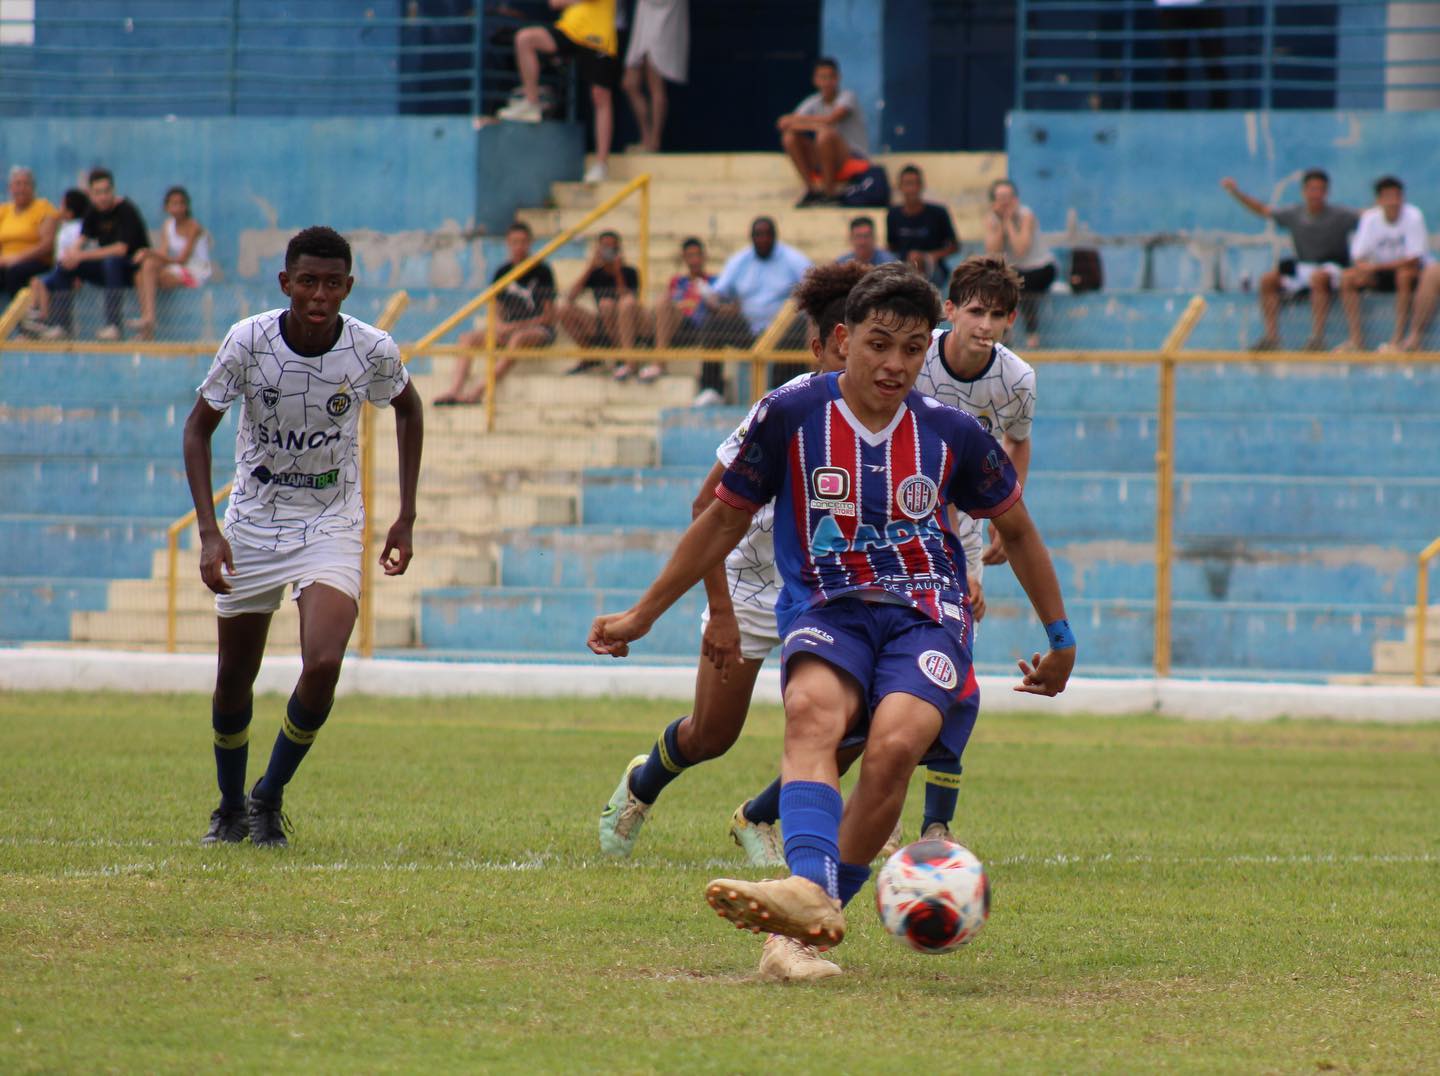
(758, 634)
(1300, 280)
(261, 575)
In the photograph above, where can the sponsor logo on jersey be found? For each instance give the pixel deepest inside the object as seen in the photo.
(951, 610)
(338, 404)
(295, 479)
(838, 508)
(830, 483)
(938, 669)
(295, 440)
(801, 634)
(828, 537)
(917, 496)
(270, 396)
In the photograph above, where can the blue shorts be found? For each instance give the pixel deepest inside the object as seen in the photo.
(888, 648)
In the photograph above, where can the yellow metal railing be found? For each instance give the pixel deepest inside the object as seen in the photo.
(14, 312)
(391, 313)
(1422, 606)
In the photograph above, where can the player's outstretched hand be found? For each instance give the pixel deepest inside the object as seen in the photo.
(612, 633)
(720, 643)
(399, 548)
(1046, 674)
(215, 558)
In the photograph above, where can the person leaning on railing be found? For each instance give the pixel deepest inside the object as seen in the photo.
(27, 233)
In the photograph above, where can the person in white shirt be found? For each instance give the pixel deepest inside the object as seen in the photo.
(1389, 252)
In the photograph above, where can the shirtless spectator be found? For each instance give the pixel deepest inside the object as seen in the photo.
(824, 132)
(618, 317)
(27, 234)
(1321, 234)
(182, 262)
(1389, 252)
(524, 317)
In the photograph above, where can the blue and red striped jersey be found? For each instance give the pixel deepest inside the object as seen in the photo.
(861, 512)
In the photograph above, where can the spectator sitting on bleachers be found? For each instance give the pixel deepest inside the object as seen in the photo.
(680, 317)
(921, 232)
(618, 317)
(750, 291)
(1012, 230)
(118, 230)
(825, 137)
(73, 208)
(1389, 252)
(1321, 234)
(184, 261)
(524, 317)
(862, 245)
(27, 234)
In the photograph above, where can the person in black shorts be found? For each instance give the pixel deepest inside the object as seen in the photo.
(618, 317)
(585, 32)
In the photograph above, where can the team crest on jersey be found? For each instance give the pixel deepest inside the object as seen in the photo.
(754, 454)
(338, 404)
(985, 423)
(830, 483)
(938, 669)
(917, 497)
(270, 396)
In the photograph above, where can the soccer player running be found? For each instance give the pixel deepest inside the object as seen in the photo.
(295, 516)
(739, 630)
(873, 613)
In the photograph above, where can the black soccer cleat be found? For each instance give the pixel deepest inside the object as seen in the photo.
(268, 824)
(228, 825)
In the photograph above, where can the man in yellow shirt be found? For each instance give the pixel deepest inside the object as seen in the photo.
(584, 32)
(27, 234)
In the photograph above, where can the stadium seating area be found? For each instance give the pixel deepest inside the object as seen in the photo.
(1297, 561)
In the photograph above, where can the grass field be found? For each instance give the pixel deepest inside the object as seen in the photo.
(1188, 897)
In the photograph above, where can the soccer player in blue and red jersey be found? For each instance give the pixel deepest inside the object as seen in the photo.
(874, 613)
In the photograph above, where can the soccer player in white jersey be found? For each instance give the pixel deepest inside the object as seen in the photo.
(739, 630)
(873, 610)
(296, 517)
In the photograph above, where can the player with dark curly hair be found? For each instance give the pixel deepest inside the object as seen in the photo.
(739, 624)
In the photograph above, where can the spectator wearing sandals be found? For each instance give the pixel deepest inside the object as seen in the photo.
(183, 261)
(1012, 230)
(680, 317)
(618, 317)
(824, 135)
(921, 232)
(524, 317)
(27, 234)
(118, 230)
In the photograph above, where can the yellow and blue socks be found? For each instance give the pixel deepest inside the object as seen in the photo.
(232, 749)
(810, 817)
(852, 877)
(942, 792)
(764, 808)
(666, 762)
(297, 733)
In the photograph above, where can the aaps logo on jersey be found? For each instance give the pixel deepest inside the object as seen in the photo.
(338, 404)
(270, 396)
(938, 669)
(917, 497)
(830, 483)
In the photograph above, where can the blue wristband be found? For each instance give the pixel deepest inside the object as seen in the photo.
(1061, 637)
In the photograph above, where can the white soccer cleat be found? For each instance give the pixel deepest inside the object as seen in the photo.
(623, 816)
(760, 841)
(786, 960)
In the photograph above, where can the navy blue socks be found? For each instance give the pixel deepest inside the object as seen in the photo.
(766, 806)
(664, 765)
(297, 733)
(232, 749)
(853, 877)
(942, 791)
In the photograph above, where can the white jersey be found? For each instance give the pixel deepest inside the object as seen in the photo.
(1001, 397)
(751, 564)
(1379, 240)
(297, 476)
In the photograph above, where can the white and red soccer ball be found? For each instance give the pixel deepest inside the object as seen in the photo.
(933, 896)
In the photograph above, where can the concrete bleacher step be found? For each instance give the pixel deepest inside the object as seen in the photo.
(1397, 658)
(943, 171)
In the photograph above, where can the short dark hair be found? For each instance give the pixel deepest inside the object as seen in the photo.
(912, 170)
(318, 241)
(830, 62)
(822, 292)
(608, 233)
(1386, 183)
(862, 222)
(895, 289)
(97, 174)
(1004, 181)
(182, 192)
(519, 226)
(77, 201)
(1315, 173)
(989, 278)
(691, 241)
(764, 220)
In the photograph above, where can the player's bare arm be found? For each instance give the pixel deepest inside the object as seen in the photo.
(215, 555)
(409, 439)
(1019, 453)
(1044, 674)
(720, 641)
(703, 546)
